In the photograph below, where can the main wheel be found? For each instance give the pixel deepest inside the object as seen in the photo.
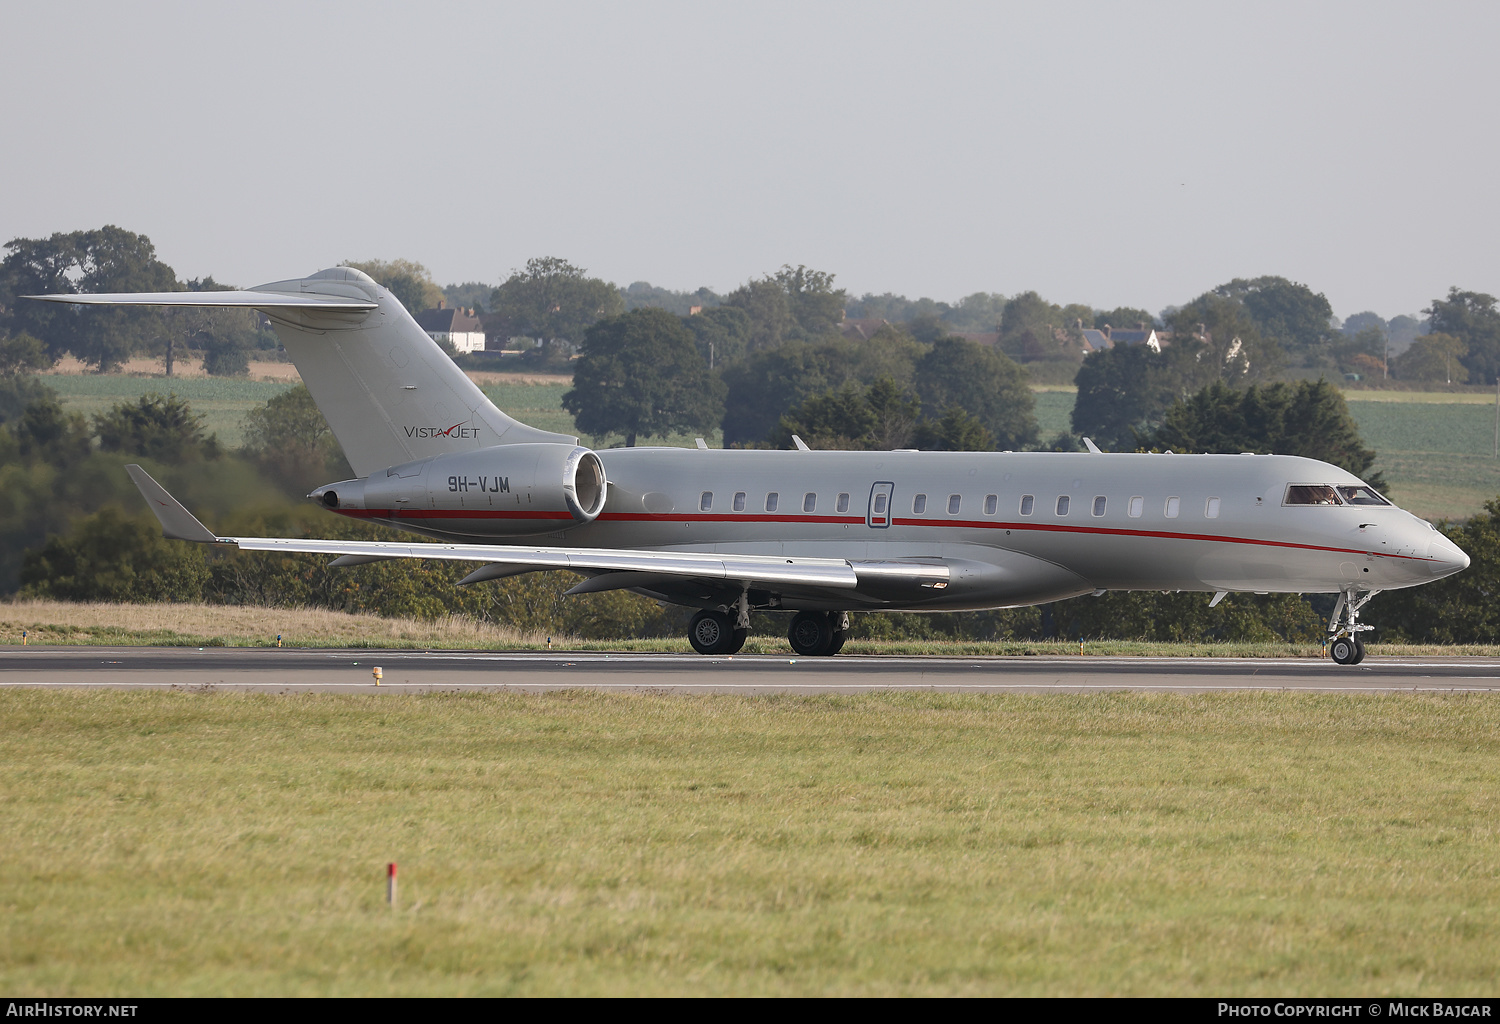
(1359, 651)
(1344, 650)
(811, 634)
(736, 641)
(713, 633)
(837, 644)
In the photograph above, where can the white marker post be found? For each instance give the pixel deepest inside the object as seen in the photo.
(390, 884)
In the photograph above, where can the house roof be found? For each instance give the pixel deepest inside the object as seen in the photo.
(446, 320)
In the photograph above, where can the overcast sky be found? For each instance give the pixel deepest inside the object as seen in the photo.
(1108, 153)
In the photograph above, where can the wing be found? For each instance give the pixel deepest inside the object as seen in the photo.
(635, 568)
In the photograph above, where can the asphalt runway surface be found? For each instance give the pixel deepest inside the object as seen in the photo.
(273, 670)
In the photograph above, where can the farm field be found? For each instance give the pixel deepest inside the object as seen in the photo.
(573, 843)
(222, 401)
(1437, 455)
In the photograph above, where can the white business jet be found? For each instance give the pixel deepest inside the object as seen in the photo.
(818, 533)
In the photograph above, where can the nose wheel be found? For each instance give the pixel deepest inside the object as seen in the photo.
(1345, 647)
(1347, 650)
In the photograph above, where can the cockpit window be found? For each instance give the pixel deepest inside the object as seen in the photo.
(1361, 495)
(1311, 494)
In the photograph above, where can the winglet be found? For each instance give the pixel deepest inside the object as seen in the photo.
(801, 444)
(177, 523)
(1092, 447)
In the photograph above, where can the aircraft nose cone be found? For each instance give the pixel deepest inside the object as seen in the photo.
(1446, 557)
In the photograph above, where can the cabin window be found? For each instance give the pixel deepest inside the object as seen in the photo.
(954, 501)
(772, 500)
(1099, 504)
(991, 502)
(1028, 504)
(919, 504)
(1174, 505)
(739, 501)
(809, 502)
(880, 504)
(1211, 510)
(1063, 501)
(1361, 495)
(1137, 507)
(1311, 494)
(843, 502)
(706, 501)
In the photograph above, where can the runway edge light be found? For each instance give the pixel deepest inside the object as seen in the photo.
(390, 884)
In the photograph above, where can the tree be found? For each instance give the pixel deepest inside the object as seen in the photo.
(111, 558)
(1215, 338)
(1122, 392)
(1308, 418)
(20, 357)
(983, 382)
(408, 280)
(291, 442)
(852, 418)
(552, 301)
(722, 335)
(957, 431)
(224, 336)
(108, 259)
(640, 374)
(979, 312)
(1433, 357)
(1472, 318)
(769, 383)
(643, 293)
(1123, 316)
(766, 303)
(161, 428)
(815, 304)
(1292, 314)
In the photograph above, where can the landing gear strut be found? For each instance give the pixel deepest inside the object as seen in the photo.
(818, 634)
(1344, 645)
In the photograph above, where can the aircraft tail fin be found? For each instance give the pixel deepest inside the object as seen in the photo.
(389, 393)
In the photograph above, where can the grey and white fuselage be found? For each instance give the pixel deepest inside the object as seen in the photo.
(821, 531)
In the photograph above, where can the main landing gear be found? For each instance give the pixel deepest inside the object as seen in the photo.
(713, 632)
(1344, 645)
(818, 634)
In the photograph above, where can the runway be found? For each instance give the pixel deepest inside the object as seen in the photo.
(272, 670)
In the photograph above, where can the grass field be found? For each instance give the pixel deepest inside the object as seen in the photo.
(205, 844)
(205, 625)
(1438, 455)
(222, 401)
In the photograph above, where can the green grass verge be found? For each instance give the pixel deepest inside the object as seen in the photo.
(1254, 844)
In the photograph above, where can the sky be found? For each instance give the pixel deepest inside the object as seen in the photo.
(1108, 153)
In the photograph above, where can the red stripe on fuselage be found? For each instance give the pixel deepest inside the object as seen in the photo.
(771, 517)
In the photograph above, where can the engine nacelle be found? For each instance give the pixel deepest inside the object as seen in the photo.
(512, 490)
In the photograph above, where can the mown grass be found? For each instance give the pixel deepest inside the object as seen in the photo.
(206, 625)
(205, 844)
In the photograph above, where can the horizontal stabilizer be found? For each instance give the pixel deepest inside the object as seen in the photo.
(236, 300)
(177, 523)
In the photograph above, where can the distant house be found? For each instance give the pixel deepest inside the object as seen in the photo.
(1097, 339)
(457, 326)
(987, 338)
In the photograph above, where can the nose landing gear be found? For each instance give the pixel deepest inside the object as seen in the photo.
(818, 634)
(1344, 645)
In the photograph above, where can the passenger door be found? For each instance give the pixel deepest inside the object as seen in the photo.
(878, 515)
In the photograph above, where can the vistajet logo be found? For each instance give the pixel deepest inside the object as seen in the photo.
(458, 430)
